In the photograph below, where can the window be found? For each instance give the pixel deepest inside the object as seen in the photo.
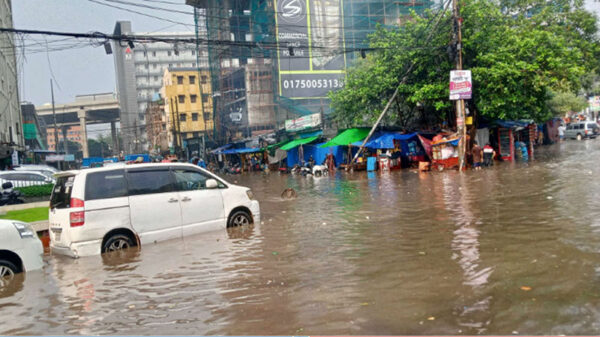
(193, 52)
(192, 79)
(164, 127)
(205, 97)
(206, 116)
(104, 185)
(154, 66)
(156, 78)
(148, 182)
(189, 180)
(181, 98)
(194, 116)
(179, 79)
(146, 66)
(145, 54)
(193, 98)
(61, 194)
(170, 65)
(194, 64)
(182, 117)
(169, 53)
(153, 53)
(204, 79)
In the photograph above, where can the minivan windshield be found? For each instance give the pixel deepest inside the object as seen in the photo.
(61, 194)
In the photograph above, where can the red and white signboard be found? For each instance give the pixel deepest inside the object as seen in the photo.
(461, 86)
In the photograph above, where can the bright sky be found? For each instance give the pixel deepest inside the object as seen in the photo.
(83, 70)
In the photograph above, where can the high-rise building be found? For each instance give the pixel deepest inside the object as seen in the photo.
(11, 126)
(139, 71)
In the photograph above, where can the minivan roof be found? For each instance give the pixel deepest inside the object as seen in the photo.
(118, 167)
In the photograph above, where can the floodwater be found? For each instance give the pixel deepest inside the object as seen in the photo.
(514, 249)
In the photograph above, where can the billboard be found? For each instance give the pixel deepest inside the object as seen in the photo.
(310, 53)
(305, 122)
(594, 103)
(461, 86)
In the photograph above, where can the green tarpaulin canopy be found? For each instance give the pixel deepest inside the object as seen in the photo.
(298, 142)
(347, 137)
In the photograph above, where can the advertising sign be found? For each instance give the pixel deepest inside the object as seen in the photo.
(461, 86)
(310, 40)
(305, 122)
(55, 157)
(15, 158)
(594, 103)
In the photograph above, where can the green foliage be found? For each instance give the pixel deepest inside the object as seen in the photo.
(519, 52)
(36, 191)
(98, 148)
(27, 215)
(564, 102)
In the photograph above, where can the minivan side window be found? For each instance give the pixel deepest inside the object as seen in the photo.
(105, 185)
(149, 182)
(187, 180)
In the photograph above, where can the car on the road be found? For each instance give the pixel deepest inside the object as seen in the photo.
(99, 210)
(45, 169)
(581, 130)
(25, 178)
(20, 250)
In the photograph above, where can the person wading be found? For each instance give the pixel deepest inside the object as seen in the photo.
(477, 156)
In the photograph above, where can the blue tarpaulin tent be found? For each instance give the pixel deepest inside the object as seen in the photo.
(319, 154)
(221, 149)
(245, 150)
(385, 140)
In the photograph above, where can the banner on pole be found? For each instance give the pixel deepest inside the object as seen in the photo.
(461, 86)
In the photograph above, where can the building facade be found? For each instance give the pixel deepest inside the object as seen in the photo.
(71, 133)
(139, 73)
(34, 128)
(188, 105)
(156, 127)
(11, 126)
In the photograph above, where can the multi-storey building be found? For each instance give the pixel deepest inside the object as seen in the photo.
(139, 71)
(71, 133)
(11, 128)
(187, 95)
(156, 127)
(34, 128)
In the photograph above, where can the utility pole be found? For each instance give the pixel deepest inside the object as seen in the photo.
(54, 117)
(460, 104)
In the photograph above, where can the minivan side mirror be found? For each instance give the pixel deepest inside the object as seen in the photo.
(211, 183)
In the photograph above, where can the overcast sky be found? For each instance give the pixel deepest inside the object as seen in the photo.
(85, 70)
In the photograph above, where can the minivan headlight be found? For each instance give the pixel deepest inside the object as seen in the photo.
(25, 230)
(250, 194)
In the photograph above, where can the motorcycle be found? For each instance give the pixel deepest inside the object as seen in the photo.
(10, 196)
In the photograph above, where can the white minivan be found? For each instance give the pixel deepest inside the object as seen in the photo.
(99, 210)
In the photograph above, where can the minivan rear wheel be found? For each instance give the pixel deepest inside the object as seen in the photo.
(239, 218)
(117, 242)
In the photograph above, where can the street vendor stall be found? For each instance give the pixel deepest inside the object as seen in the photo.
(347, 138)
(444, 153)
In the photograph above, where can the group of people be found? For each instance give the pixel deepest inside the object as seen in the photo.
(482, 157)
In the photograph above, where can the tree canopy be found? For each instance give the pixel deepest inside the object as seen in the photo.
(519, 51)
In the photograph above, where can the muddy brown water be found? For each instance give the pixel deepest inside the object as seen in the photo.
(511, 249)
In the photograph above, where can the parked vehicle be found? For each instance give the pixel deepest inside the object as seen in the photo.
(9, 196)
(581, 130)
(45, 169)
(106, 209)
(25, 178)
(20, 250)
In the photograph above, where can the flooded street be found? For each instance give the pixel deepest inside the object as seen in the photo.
(511, 249)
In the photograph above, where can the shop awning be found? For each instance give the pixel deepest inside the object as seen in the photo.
(221, 149)
(298, 142)
(347, 137)
(244, 150)
(385, 139)
(277, 146)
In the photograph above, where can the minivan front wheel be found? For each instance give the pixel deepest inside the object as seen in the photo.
(7, 272)
(117, 242)
(239, 218)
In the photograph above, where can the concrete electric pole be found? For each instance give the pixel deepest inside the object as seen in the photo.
(460, 104)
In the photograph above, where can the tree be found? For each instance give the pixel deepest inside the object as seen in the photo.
(98, 148)
(519, 52)
(564, 102)
(72, 147)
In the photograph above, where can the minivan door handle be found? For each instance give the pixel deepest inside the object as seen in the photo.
(186, 199)
(173, 200)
